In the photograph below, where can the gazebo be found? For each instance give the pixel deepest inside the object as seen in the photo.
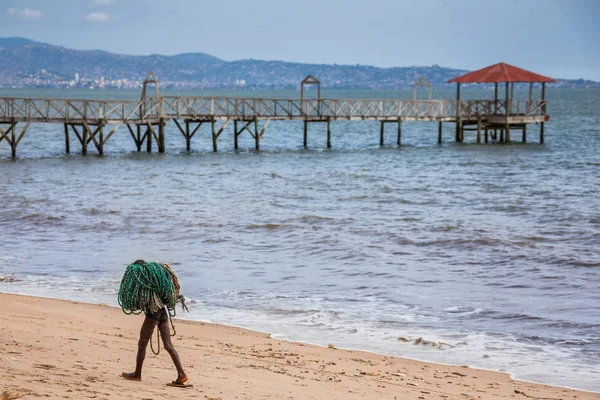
(506, 114)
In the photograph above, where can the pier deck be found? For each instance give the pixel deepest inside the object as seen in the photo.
(149, 116)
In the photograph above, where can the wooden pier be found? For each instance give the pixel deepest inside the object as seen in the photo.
(145, 119)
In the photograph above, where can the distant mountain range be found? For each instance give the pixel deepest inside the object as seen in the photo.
(26, 63)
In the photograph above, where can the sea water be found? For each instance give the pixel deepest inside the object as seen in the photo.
(490, 253)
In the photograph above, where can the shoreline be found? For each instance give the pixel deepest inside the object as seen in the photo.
(311, 343)
(261, 367)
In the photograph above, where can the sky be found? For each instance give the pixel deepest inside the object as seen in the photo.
(558, 38)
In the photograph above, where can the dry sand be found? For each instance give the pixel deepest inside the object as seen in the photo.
(60, 349)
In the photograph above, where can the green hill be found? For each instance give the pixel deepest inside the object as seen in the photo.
(26, 63)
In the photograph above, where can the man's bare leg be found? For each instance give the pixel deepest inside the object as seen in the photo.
(165, 332)
(145, 336)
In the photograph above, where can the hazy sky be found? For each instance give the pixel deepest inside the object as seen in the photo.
(553, 37)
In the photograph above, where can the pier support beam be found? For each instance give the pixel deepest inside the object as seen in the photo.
(93, 133)
(148, 136)
(67, 144)
(186, 133)
(100, 139)
(381, 133)
(460, 132)
(235, 135)
(543, 111)
(84, 140)
(524, 133)
(161, 136)
(214, 135)
(256, 135)
(13, 146)
(305, 134)
(11, 137)
(458, 113)
(399, 139)
(478, 130)
(329, 133)
(440, 132)
(507, 133)
(138, 140)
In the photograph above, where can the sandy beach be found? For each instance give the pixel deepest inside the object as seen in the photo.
(61, 349)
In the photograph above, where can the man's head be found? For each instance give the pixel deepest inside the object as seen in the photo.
(139, 262)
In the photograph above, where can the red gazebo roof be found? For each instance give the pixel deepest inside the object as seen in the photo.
(500, 73)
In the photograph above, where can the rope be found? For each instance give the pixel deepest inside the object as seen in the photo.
(157, 352)
(147, 287)
(143, 285)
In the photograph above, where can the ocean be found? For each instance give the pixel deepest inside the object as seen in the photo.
(478, 254)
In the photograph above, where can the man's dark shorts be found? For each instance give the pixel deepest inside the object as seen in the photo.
(159, 316)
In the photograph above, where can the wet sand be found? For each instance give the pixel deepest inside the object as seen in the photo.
(61, 349)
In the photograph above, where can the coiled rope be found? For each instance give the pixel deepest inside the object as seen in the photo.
(148, 287)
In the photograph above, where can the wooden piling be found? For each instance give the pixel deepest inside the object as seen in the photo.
(67, 145)
(487, 134)
(138, 143)
(381, 133)
(524, 133)
(149, 138)
(478, 130)
(256, 135)
(508, 106)
(329, 133)
(440, 132)
(13, 140)
(161, 135)
(84, 140)
(101, 139)
(235, 135)
(399, 140)
(214, 135)
(458, 118)
(543, 112)
(305, 134)
(188, 139)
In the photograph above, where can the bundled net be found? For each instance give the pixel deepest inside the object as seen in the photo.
(148, 287)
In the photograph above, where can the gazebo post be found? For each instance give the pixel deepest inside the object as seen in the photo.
(507, 106)
(458, 118)
(495, 107)
(543, 111)
(529, 103)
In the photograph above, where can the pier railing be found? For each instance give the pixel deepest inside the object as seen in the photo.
(152, 109)
(199, 107)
